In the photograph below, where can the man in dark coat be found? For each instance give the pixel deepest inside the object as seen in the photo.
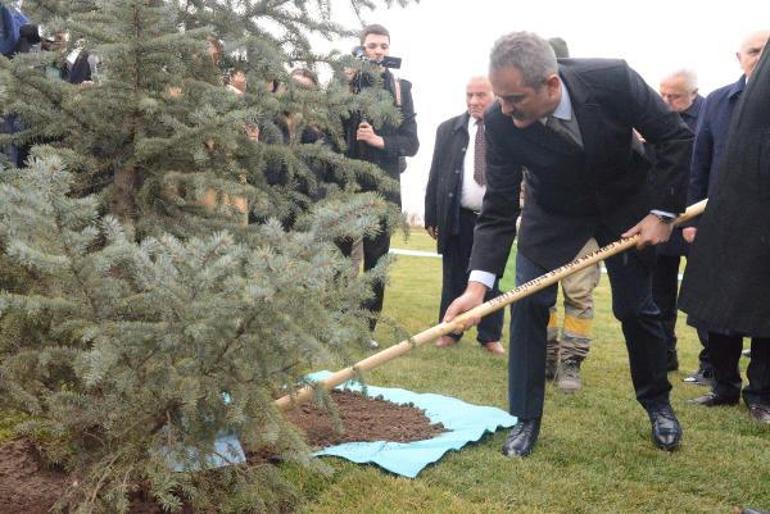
(571, 125)
(710, 142)
(384, 146)
(452, 203)
(680, 92)
(727, 284)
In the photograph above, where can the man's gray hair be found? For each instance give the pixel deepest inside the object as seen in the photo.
(530, 54)
(689, 76)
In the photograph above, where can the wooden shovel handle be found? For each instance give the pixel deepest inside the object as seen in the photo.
(531, 287)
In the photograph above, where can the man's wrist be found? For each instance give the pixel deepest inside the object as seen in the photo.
(663, 216)
(476, 290)
(481, 279)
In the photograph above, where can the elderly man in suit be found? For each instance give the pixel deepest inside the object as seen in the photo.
(680, 92)
(571, 125)
(453, 198)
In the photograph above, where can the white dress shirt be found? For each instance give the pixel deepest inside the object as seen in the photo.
(472, 193)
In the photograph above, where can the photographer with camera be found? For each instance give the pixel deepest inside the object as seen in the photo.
(384, 146)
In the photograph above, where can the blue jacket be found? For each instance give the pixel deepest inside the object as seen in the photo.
(11, 21)
(711, 138)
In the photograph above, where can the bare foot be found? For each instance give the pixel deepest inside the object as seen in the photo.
(494, 347)
(445, 341)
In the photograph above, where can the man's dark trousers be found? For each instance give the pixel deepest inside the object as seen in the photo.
(375, 248)
(665, 289)
(665, 286)
(726, 350)
(632, 304)
(456, 254)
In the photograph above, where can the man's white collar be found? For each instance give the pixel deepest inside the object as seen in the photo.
(564, 109)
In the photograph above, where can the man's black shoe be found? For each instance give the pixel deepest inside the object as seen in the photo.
(712, 400)
(522, 438)
(666, 431)
(702, 377)
(760, 413)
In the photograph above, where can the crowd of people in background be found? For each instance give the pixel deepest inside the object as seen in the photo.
(385, 145)
(565, 155)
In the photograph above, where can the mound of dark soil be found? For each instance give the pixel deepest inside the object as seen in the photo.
(25, 484)
(363, 419)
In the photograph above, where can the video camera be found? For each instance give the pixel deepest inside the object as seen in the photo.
(386, 62)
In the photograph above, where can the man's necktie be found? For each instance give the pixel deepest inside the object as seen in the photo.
(480, 155)
(562, 128)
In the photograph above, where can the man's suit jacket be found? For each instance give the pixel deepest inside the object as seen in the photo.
(676, 245)
(573, 191)
(442, 196)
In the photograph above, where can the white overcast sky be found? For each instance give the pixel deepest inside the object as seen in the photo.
(444, 42)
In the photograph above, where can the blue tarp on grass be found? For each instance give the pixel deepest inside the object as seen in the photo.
(464, 422)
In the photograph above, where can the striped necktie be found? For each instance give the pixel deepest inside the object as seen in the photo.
(480, 154)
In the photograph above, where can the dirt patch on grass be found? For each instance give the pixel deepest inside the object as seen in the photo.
(28, 486)
(363, 419)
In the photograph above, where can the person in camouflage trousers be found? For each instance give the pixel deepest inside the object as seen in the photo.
(565, 354)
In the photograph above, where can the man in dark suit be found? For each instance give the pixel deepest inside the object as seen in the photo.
(571, 125)
(680, 92)
(453, 198)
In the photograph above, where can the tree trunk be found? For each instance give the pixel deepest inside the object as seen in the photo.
(123, 201)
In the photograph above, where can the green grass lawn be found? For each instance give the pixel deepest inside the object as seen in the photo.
(594, 452)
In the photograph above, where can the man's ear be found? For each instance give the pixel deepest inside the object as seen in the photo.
(553, 84)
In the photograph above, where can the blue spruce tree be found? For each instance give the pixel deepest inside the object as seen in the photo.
(164, 274)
